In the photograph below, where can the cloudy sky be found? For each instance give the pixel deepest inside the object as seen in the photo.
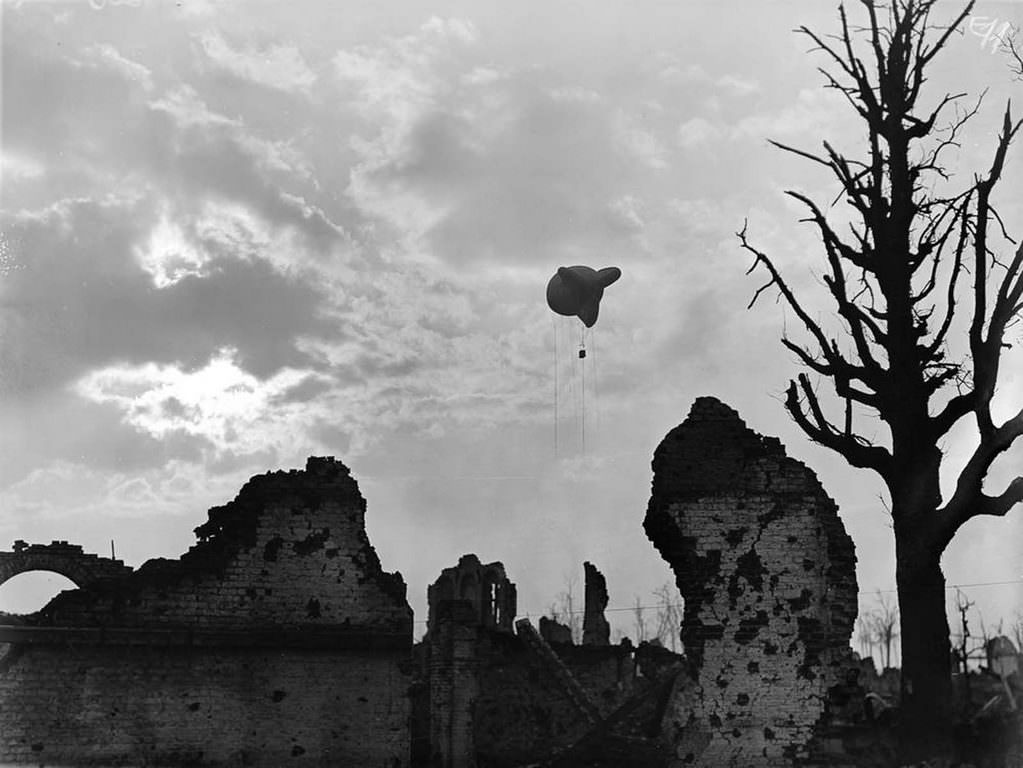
(238, 234)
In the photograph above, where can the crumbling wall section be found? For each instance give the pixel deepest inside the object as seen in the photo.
(767, 572)
(596, 629)
(276, 639)
(290, 549)
(59, 557)
(495, 699)
(453, 684)
(485, 587)
(554, 632)
(179, 705)
(524, 713)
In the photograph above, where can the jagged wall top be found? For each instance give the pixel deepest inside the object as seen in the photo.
(711, 452)
(290, 550)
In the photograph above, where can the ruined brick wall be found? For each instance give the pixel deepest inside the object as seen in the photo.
(290, 549)
(151, 705)
(521, 714)
(767, 572)
(453, 659)
(596, 629)
(485, 587)
(59, 557)
(277, 638)
(607, 673)
(491, 702)
(555, 632)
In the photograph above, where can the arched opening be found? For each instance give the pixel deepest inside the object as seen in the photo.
(29, 591)
(469, 590)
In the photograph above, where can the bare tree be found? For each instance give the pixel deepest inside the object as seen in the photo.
(669, 615)
(884, 622)
(897, 278)
(865, 633)
(963, 651)
(1015, 50)
(564, 610)
(1016, 628)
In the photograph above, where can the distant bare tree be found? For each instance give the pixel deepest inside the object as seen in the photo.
(554, 612)
(1015, 50)
(963, 606)
(669, 616)
(865, 633)
(884, 621)
(564, 610)
(1016, 630)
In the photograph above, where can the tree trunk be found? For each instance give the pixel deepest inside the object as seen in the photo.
(927, 705)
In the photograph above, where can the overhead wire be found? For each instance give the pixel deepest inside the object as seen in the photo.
(618, 609)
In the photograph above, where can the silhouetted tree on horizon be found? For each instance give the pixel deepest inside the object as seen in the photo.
(909, 264)
(884, 621)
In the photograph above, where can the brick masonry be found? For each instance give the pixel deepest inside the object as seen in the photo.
(59, 557)
(486, 587)
(276, 638)
(489, 697)
(596, 629)
(767, 572)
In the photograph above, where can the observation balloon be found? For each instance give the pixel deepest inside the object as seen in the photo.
(578, 290)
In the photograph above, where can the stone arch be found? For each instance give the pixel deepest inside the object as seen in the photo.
(68, 560)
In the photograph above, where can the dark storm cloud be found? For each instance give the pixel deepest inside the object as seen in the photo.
(79, 301)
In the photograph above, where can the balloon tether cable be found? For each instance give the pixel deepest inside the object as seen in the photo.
(554, 325)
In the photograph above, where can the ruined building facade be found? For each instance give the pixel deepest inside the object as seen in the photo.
(277, 636)
(767, 572)
(279, 639)
(494, 694)
(491, 596)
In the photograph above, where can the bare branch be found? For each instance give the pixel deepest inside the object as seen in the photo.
(857, 451)
(969, 500)
(999, 506)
